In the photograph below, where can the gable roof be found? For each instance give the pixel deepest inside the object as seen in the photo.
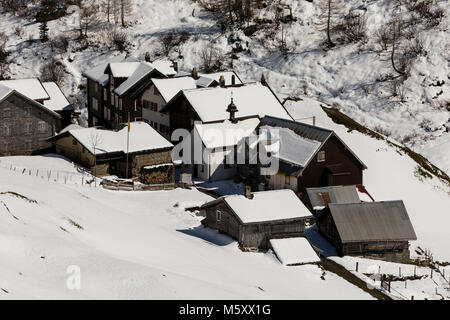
(5, 92)
(168, 88)
(251, 99)
(372, 221)
(265, 206)
(32, 88)
(122, 69)
(308, 132)
(337, 194)
(98, 74)
(58, 100)
(225, 133)
(141, 71)
(142, 138)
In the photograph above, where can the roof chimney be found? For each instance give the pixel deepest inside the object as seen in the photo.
(175, 66)
(263, 80)
(248, 192)
(222, 81)
(232, 109)
(233, 80)
(194, 73)
(147, 56)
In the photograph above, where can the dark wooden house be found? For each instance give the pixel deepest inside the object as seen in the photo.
(373, 229)
(256, 218)
(310, 156)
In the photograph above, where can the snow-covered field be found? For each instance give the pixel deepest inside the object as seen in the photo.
(133, 245)
(349, 76)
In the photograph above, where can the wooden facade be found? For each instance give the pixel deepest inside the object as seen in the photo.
(221, 217)
(25, 126)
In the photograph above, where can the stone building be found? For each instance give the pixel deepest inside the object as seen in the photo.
(25, 123)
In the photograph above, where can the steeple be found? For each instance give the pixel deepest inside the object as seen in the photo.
(232, 109)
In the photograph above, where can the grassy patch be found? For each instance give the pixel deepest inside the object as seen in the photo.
(295, 99)
(75, 224)
(425, 168)
(18, 195)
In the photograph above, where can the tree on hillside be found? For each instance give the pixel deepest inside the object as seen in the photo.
(329, 10)
(107, 8)
(88, 15)
(96, 140)
(54, 71)
(126, 8)
(43, 31)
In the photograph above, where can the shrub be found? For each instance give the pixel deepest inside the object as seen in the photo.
(53, 70)
(119, 39)
(212, 59)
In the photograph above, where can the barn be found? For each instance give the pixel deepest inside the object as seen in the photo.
(378, 230)
(256, 218)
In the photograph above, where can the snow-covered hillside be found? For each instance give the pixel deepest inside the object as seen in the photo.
(354, 77)
(133, 245)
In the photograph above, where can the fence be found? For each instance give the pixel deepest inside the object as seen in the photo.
(131, 186)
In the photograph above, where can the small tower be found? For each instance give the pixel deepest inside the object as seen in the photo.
(147, 57)
(232, 109)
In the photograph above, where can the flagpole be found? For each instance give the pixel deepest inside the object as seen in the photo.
(128, 141)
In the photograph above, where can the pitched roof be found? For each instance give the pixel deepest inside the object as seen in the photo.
(142, 138)
(336, 194)
(251, 99)
(32, 88)
(266, 206)
(98, 74)
(225, 133)
(58, 100)
(168, 88)
(372, 221)
(140, 72)
(4, 91)
(123, 69)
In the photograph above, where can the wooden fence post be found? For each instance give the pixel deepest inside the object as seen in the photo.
(399, 271)
(357, 265)
(389, 286)
(415, 271)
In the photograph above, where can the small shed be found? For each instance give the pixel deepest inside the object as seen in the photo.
(294, 251)
(256, 218)
(319, 198)
(375, 229)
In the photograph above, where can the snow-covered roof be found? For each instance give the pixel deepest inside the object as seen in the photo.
(168, 88)
(332, 194)
(226, 133)
(294, 251)
(4, 91)
(251, 99)
(58, 100)
(123, 69)
(32, 88)
(165, 67)
(267, 206)
(289, 146)
(72, 126)
(142, 70)
(98, 74)
(204, 82)
(228, 75)
(142, 138)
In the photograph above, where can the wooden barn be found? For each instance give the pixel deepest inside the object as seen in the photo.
(104, 152)
(256, 218)
(309, 156)
(373, 229)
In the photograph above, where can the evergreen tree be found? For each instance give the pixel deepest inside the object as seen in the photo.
(43, 31)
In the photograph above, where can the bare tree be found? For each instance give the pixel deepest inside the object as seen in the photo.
(53, 70)
(95, 140)
(88, 15)
(330, 9)
(126, 8)
(212, 59)
(107, 8)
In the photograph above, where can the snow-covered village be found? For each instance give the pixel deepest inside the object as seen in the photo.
(224, 150)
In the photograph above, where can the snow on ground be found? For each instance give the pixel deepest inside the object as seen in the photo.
(133, 245)
(391, 176)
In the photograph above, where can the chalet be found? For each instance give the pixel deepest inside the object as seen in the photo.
(46, 93)
(256, 218)
(372, 229)
(104, 152)
(114, 89)
(309, 156)
(218, 144)
(210, 104)
(25, 123)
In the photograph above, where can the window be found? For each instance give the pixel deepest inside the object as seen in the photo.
(218, 215)
(321, 156)
(7, 112)
(42, 126)
(28, 127)
(146, 104)
(111, 80)
(94, 104)
(154, 106)
(105, 94)
(27, 111)
(6, 130)
(120, 103)
(116, 101)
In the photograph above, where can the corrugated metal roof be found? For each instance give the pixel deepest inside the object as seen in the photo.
(337, 194)
(372, 221)
(300, 128)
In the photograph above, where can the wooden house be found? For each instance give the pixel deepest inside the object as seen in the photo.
(373, 229)
(104, 152)
(257, 217)
(309, 156)
(25, 123)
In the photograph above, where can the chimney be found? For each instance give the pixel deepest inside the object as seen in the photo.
(222, 81)
(232, 109)
(248, 192)
(263, 80)
(194, 73)
(175, 66)
(233, 80)
(147, 56)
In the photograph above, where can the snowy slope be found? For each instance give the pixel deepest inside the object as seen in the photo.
(349, 76)
(133, 245)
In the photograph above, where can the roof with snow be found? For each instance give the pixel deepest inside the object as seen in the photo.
(142, 138)
(372, 221)
(166, 67)
(168, 88)
(140, 72)
(58, 100)
(294, 251)
(4, 91)
(32, 88)
(251, 99)
(225, 133)
(320, 197)
(228, 75)
(123, 69)
(265, 206)
(98, 74)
